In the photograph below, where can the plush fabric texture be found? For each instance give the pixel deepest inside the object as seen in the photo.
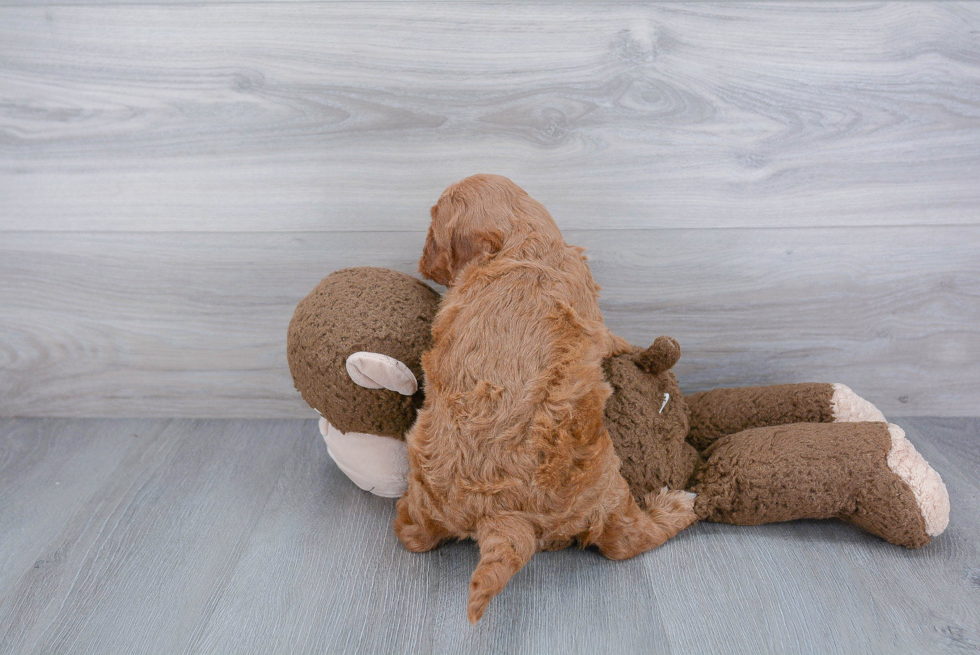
(926, 485)
(361, 309)
(660, 356)
(773, 453)
(809, 470)
(649, 442)
(376, 464)
(719, 412)
(847, 406)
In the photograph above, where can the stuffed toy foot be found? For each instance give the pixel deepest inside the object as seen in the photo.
(867, 474)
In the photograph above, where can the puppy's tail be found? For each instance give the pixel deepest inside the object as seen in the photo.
(506, 545)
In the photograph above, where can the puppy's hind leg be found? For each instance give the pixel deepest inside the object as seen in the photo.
(629, 530)
(506, 545)
(417, 531)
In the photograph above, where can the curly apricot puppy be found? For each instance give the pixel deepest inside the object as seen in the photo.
(509, 448)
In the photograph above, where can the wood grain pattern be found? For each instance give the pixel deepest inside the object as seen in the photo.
(48, 470)
(241, 536)
(195, 324)
(231, 154)
(354, 116)
(139, 564)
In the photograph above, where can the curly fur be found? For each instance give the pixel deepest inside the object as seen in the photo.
(510, 448)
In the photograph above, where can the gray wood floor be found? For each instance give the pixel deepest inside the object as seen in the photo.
(790, 189)
(126, 536)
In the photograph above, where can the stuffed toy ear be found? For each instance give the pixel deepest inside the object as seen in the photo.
(659, 357)
(377, 371)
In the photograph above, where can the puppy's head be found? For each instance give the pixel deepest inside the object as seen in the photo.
(475, 218)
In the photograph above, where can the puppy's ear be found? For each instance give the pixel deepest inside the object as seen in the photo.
(434, 264)
(428, 260)
(467, 245)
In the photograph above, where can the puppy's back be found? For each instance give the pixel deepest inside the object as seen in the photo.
(513, 368)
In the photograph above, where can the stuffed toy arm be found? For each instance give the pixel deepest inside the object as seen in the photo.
(720, 412)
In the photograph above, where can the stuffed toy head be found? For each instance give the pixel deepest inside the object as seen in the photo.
(354, 348)
(648, 419)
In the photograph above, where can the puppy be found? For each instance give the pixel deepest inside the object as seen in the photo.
(509, 448)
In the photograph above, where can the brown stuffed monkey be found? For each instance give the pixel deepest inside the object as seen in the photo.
(752, 455)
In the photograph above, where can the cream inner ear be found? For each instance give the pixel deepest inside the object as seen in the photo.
(377, 371)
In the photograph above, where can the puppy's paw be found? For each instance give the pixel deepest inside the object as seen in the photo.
(674, 507)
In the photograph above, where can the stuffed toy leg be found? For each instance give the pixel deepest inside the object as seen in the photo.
(811, 451)
(867, 474)
(719, 412)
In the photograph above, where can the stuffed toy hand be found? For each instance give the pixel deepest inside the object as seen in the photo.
(752, 455)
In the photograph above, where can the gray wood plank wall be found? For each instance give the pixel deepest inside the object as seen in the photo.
(792, 190)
